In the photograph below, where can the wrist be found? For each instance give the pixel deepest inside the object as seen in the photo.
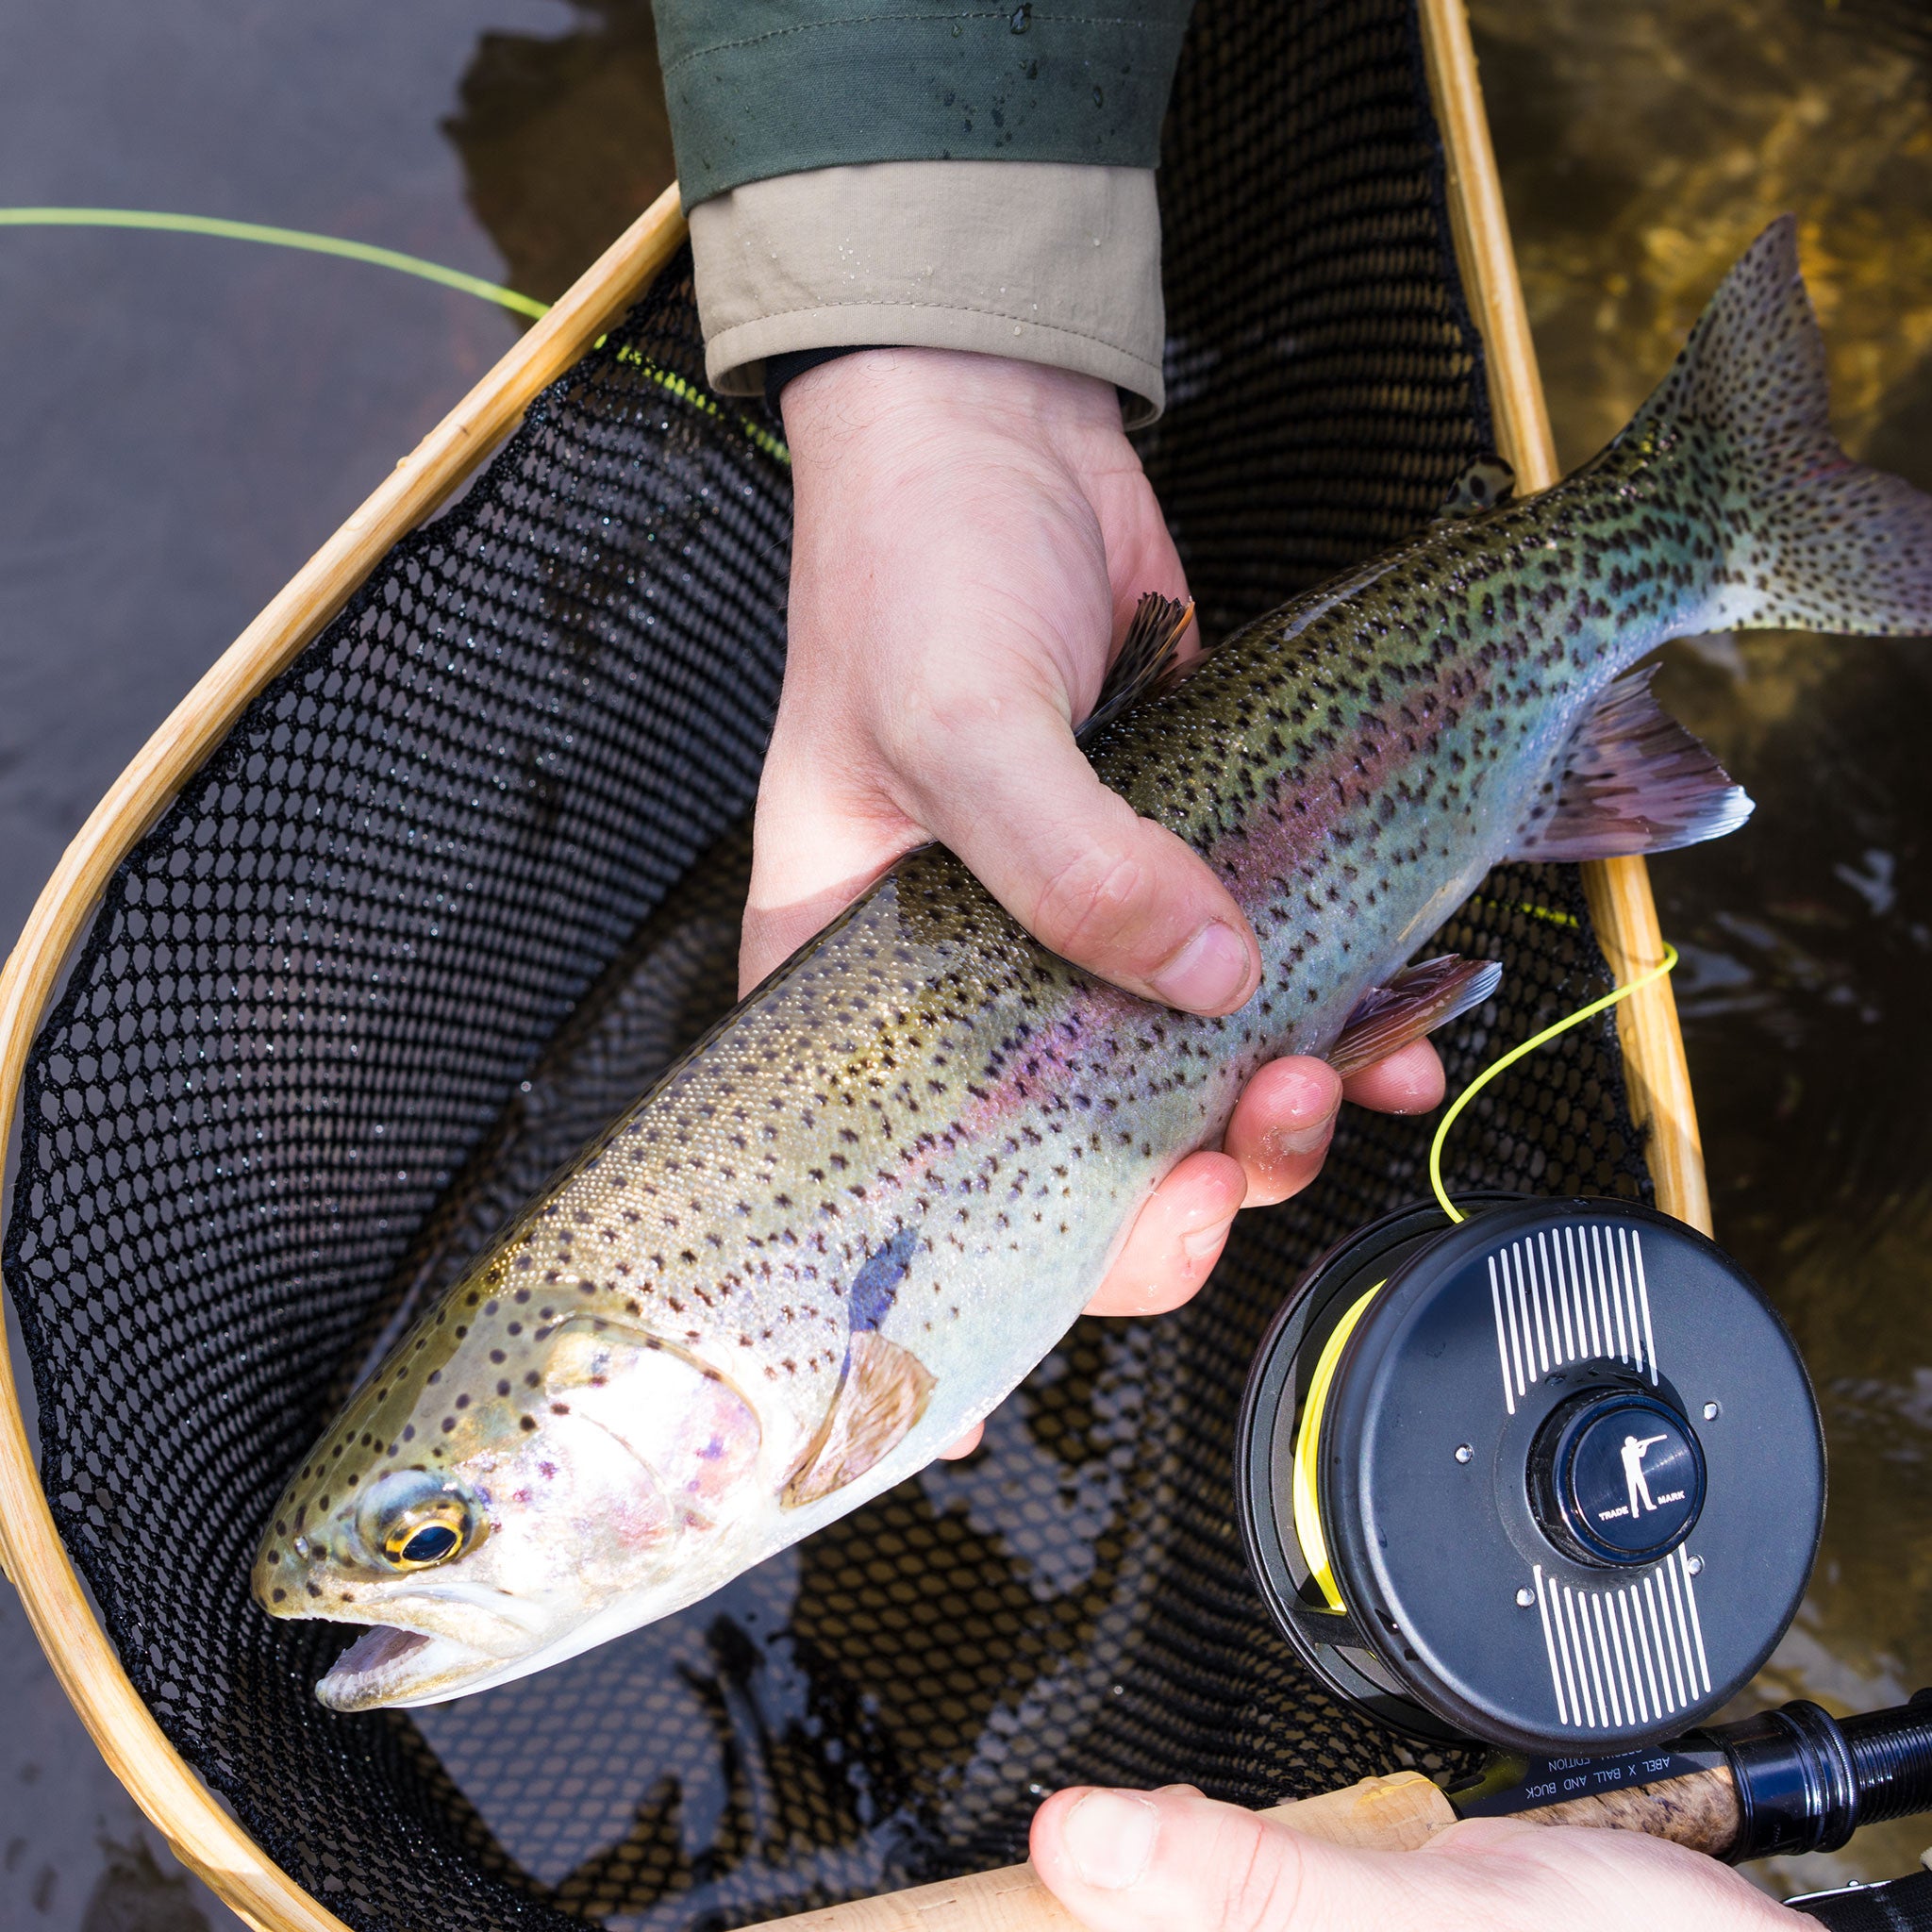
(871, 390)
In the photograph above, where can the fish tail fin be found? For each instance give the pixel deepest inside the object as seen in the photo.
(1823, 543)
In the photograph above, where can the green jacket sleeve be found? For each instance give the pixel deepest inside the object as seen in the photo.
(764, 88)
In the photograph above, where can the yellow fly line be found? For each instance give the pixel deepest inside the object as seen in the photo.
(274, 238)
(1517, 1053)
(158, 222)
(1308, 1509)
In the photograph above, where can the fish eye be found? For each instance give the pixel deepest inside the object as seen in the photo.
(415, 1522)
(419, 1538)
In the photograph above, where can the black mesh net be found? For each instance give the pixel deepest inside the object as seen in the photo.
(467, 873)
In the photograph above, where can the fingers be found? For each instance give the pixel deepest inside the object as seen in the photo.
(1110, 890)
(1281, 1128)
(1176, 1238)
(1147, 1861)
(1150, 1861)
(965, 1445)
(1409, 1081)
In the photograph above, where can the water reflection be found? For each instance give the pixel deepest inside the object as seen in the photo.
(563, 140)
(1642, 148)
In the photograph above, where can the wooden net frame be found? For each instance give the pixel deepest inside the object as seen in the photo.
(201, 1832)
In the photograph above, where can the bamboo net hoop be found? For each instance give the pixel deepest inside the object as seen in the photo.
(196, 1826)
(1621, 904)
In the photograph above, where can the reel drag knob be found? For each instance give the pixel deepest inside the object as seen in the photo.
(1550, 1478)
(1615, 1477)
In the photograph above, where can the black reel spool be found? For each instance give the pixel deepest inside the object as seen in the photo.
(1551, 1479)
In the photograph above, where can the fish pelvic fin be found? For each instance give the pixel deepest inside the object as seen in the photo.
(1823, 543)
(1633, 780)
(883, 1393)
(1417, 1000)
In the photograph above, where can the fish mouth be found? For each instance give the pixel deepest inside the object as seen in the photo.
(389, 1668)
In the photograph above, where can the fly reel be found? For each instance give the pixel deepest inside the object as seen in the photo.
(1551, 1478)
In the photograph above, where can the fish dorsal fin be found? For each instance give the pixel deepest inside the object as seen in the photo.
(882, 1395)
(1417, 1000)
(1487, 482)
(683, 1421)
(1632, 780)
(1145, 660)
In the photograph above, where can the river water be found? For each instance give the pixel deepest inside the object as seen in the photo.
(1642, 148)
(185, 420)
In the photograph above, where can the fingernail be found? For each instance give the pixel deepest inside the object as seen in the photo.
(1207, 972)
(1282, 1142)
(1204, 1240)
(1110, 1835)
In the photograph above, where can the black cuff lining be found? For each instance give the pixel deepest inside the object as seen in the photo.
(779, 370)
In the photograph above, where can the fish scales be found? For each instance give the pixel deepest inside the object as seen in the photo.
(848, 1223)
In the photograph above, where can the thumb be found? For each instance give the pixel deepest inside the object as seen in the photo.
(1151, 1861)
(1016, 800)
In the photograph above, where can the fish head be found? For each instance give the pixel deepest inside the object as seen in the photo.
(513, 1484)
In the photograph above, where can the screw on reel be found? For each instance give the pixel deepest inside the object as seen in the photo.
(1551, 1479)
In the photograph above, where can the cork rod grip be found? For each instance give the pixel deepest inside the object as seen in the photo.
(1699, 1810)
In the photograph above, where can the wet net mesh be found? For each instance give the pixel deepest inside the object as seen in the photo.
(468, 872)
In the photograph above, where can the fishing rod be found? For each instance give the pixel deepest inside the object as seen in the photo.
(1542, 1478)
(1545, 1479)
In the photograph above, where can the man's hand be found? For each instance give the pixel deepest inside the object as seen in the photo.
(1155, 1861)
(971, 538)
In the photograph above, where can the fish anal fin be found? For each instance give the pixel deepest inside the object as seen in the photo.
(1417, 1000)
(1487, 482)
(884, 1393)
(1144, 661)
(1633, 780)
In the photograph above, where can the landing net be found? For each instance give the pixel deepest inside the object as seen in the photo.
(489, 813)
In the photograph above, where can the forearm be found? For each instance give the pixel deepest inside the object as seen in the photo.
(875, 173)
(762, 88)
(1037, 260)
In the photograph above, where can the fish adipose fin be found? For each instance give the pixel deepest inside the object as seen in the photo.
(1633, 780)
(1815, 542)
(1487, 482)
(1145, 663)
(1417, 1000)
(883, 1394)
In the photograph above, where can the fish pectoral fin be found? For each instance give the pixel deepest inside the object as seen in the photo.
(1144, 662)
(1487, 482)
(1634, 780)
(1417, 1000)
(883, 1394)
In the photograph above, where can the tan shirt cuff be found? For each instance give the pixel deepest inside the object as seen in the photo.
(1047, 261)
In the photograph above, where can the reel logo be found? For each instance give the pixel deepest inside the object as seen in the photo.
(1632, 1478)
(1629, 1481)
(1636, 1484)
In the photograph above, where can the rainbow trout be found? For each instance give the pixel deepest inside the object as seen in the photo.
(852, 1220)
